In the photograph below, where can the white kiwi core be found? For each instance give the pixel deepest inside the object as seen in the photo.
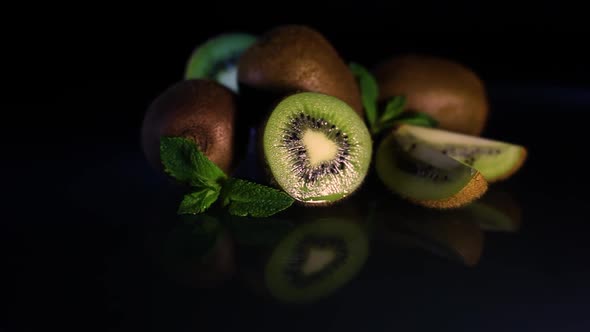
(319, 147)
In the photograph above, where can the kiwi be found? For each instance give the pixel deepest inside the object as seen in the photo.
(426, 176)
(201, 110)
(217, 59)
(295, 58)
(448, 91)
(495, 160)
(315, 260)
(317, 148)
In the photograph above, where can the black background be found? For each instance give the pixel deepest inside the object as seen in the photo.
(78, 79)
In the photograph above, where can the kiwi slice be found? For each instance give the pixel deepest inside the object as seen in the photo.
(426, 176)
(316, 259)
(317, 148)
(495, 160)
(217, 59)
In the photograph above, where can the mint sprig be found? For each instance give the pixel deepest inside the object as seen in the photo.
(183, 161)
(393, 114)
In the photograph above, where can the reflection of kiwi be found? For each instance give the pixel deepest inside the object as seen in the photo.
(449, 234)
(496, 211)
(449, 92)
(317, 148)
(198, 253)
(315, 260)
(426, 176)
(217, 59)
(198, 109)
(293, 58)
(495, 160)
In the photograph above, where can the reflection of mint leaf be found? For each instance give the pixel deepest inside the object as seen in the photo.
(198, 201)
(417, 119)
(183, 161)
(369, 91)
(258, 231)
(394, 107)
(247, 198)
(190, 241)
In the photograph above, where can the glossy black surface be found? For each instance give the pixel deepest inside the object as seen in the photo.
(82, 209)
(77, 252)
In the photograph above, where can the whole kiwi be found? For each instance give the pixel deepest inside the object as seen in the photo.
(446, 90)
(199, 109)
(296, 58)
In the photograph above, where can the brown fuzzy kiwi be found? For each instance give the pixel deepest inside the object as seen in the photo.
(294, 58)
(201, 110)
(448, 91)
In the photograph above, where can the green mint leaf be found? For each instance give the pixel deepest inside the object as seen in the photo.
(198, 201)
(183, 161)
(251, 199)
(417, 119)
(369, 91)
(393, 109)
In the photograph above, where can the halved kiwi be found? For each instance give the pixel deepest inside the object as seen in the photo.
(317, 148)
(217, 59)
(426, 176)
(495, 160)
(316, 259)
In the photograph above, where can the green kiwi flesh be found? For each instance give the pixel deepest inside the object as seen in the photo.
(315, 260)
(217, 59)
(317, 148)
(495, 160)
(427, 176)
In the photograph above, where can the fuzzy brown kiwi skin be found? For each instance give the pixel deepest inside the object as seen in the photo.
(199, 109)
(293, 58)
(448, 91)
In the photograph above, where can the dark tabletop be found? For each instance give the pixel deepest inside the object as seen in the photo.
(82, 207)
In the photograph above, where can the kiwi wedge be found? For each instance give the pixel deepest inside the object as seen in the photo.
(426, 176)
(317, 148)
(217, 59)
(315, 260)
(495, 160)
